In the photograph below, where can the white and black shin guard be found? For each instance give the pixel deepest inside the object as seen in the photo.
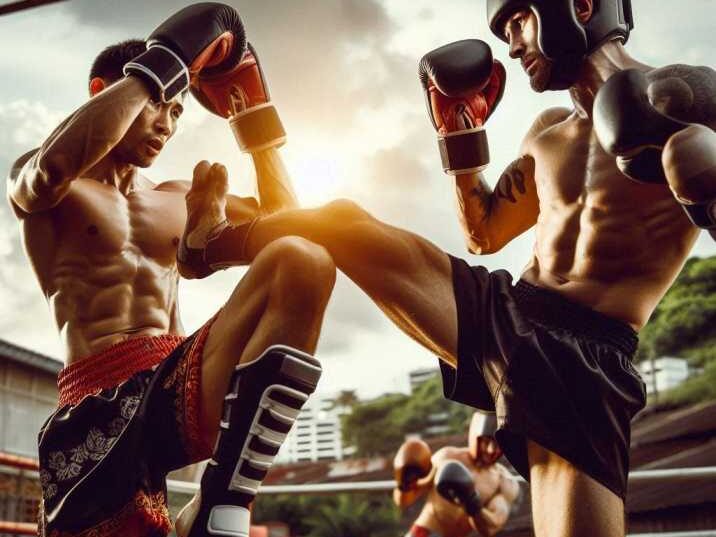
(264, 399)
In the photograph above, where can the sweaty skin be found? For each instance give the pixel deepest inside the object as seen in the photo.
(496, 487)
(102, 240)
(601, 240)
(103, 244)
(104, 252)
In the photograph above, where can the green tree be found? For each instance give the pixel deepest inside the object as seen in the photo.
(684, 325)
(347, 515)
(699, 388)
(291, 509)
(346, 398)
(379, 426)
(337, 515)
(374, 427)
(684, 322)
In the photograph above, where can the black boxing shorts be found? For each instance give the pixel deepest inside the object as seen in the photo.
(556, 372)
(127, 416)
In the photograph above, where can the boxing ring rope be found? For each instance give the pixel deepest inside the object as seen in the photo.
(636, 476)
(184, 487)
(18, 528)
(684, 475)
(22, 464)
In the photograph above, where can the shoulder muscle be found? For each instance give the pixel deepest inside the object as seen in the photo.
(12, 178)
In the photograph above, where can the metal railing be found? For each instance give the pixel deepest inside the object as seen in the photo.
(184, 487)
(636, 476)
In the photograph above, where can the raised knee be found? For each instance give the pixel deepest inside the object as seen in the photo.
(303, 267)
(343, 211)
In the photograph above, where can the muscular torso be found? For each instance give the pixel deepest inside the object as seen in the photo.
(445, 518)
(106, 262)
(601, 239)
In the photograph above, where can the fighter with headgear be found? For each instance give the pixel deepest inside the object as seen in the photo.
(137, 398)
(465, 489)
(563, 38)
(552, 354)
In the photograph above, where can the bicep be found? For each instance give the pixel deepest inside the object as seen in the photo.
(499, 509)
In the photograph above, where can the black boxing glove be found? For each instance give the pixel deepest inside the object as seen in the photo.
(463, 85)
(240, 93)
(454, 483)
(630, 127)
(199, 37)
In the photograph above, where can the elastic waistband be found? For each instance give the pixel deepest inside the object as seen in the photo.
(113, 366)
(552, 310)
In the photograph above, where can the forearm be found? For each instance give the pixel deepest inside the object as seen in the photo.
(484, 523)
(491, 518)
(92, 131)
(474, 201)
(273, 182)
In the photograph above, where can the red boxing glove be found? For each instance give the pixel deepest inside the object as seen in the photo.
(463, 85)
(469, 110)
(241, 95)
(411, 462)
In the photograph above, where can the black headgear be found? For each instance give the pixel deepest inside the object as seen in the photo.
(561, 37)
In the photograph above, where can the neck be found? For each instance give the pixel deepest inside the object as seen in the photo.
(596, 69)
(108, 171)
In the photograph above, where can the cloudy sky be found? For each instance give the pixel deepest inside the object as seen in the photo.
(343, 75)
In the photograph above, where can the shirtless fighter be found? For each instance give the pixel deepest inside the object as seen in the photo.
(551, 354)
(138, 398)
(465, 488)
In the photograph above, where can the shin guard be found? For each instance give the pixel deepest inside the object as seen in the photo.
(264, 399)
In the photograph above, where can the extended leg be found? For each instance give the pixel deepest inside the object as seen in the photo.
(407, 276)
(567, 502)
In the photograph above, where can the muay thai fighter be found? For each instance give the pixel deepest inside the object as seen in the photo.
(465, 489)
(137, 397)
(551, 354)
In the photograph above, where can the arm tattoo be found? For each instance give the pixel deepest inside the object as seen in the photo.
(511, 179)
(483, 194)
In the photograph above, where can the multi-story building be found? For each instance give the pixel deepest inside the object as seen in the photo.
(316, 435)
(663, 373)
(418, 376)
(28, 395)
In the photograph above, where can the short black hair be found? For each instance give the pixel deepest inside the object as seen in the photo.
(109, 63)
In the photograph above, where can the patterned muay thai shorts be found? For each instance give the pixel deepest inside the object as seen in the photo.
(126, 417)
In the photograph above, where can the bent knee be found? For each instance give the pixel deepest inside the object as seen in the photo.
(301, 264)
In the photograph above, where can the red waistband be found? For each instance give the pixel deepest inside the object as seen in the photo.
(113, 366)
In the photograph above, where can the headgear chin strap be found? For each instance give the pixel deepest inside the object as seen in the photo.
(561, 37)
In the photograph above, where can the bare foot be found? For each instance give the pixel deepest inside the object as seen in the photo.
(206, 217)
(211, 242)
(206, 203)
